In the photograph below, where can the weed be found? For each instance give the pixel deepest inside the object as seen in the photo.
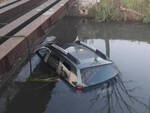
(111, 10)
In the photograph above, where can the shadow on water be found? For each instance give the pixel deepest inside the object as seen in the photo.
(117, 97)
(32, 99)
(65, 30)
(69, 28)
(33, 96)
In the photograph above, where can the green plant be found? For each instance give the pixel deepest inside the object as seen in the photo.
(50, 79)
(147, 13)
(105, 10)
(111, 10)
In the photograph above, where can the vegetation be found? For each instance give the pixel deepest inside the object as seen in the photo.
(121, 10)
(50, 79)
(105, 11)
(147, 12)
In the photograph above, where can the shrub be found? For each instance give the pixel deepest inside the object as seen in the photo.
(110, 10)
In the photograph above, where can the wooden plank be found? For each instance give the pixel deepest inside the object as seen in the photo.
(15, 11)
(11, 28)
(7, 3)
(11, 43)
(13, 6)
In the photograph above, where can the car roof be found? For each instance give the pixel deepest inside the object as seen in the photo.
(80, 54)
(86, 56)
(83, 54)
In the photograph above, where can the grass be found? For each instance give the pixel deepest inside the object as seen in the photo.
(49, 79)
(106, 10)
(147, 13)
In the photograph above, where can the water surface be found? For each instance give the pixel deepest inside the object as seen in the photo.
(127, 44)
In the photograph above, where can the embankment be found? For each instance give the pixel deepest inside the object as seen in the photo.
(113, 10)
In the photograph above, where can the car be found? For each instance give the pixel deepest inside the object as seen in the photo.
(80, 65)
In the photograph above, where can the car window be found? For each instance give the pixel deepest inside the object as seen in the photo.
(93, 75)
(70, 73)
(67, 66)
(53, 60)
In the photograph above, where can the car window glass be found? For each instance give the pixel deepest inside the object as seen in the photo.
(53, 60)
(97, 74)
(67, 66)
(70, 67)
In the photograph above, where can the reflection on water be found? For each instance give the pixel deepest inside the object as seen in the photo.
(118, 98)
(127, 44)
(30, 96)
(30, 99)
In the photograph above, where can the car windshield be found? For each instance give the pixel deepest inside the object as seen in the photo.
(98, 74)
(85, 55)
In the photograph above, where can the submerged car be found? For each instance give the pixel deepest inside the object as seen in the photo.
(80, 65)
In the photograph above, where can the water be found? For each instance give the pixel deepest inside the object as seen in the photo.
(127, 44)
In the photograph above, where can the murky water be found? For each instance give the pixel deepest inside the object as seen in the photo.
(127, 44)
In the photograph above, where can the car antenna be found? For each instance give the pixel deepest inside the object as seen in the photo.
(77, 39)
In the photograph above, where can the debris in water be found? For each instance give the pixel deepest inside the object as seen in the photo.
(50, 79)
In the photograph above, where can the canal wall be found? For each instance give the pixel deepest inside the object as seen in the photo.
(15, 50)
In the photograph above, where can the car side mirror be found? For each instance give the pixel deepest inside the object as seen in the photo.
(43, 53)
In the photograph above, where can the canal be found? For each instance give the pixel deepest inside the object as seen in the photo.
(127, 44)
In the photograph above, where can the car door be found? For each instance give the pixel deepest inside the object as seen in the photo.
(43, 53)
(53, 60)
(49, 57)
(68, 72)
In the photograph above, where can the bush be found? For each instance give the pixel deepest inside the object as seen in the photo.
(110, 10)
(147, 13)
(106, 11)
